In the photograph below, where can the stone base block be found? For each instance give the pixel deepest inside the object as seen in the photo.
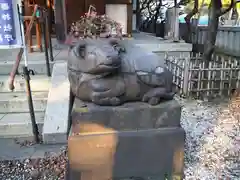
(128, 116)
(99, 153)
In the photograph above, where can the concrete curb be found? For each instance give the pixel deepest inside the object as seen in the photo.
(55, 126)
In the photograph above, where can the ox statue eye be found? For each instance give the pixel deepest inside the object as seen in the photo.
(82, 52)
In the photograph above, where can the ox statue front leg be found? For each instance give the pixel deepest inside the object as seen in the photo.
(107, 91)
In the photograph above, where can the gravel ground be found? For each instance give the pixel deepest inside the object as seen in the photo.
(212, 149)
(52, 167)
(212, 146)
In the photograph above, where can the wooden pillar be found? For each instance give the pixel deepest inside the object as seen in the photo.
(138, 15)
(50, 4)
(134, 16)
(39, 35)
(129, 19)
(60, 20)
(28, 11)
(176, 22)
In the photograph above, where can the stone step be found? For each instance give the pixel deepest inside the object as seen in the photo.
(17, 102)
(38, 83)
(39, 67)
(17, 125)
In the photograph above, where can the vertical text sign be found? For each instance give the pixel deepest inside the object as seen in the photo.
(8, 36)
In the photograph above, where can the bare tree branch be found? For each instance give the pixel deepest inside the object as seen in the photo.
(165, 5)
(150, 10)
(191, 14)
(232, 4)
(143, 5)
(157, 11)
(224, 11)
(183, 2)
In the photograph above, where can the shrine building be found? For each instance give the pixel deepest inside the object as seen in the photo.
(65, 12)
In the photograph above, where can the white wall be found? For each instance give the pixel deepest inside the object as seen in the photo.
(118, 12)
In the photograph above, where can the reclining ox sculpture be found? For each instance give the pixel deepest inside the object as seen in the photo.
(110, 72)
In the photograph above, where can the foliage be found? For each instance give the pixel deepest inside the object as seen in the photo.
(148, 8)
(150, 12)
(204, 5)
(91, 24)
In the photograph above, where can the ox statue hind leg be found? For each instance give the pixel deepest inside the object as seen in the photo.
(107, 91)
(155, 95)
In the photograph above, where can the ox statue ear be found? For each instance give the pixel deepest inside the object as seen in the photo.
(71, 46)
(80, 50)
(115, 43)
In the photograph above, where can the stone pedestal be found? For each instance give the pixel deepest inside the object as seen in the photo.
(131, 140)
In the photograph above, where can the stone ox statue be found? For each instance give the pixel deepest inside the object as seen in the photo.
(110, 72)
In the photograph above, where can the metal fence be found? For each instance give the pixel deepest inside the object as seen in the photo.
(195, 78)
(228, 39)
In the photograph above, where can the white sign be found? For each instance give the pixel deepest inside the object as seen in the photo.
(10, 30)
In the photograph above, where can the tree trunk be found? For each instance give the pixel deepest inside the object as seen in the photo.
(215, 12)
(215, 7)
(156, 16)
(189, 33)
